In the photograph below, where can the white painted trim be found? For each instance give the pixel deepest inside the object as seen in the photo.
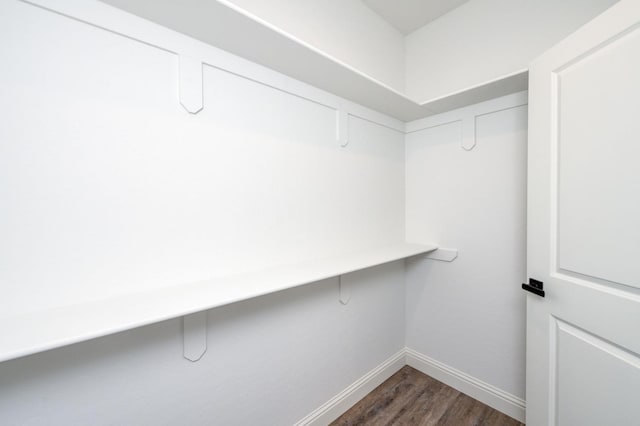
(467, 117)
(190, 84)
(496, 398)
(194, 336)
(336, 406)
(344, 290)
(468, 131)
(476, 110)
(116, 21)
(342, 127)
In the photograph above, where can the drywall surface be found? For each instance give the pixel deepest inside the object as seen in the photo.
(345, 29)
(270, 361)
(485, 39)
(470, 314)
(110, 186)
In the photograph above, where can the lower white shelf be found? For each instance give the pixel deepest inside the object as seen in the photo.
(36, 332)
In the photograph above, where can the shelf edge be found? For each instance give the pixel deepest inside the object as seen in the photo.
(32, 333)
(500, 86)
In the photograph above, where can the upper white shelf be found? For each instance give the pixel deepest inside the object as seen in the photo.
(36, 332)
(502, 86)
(226, 26)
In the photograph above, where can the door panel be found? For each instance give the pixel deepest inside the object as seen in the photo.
(583, 338)
(598, 182)
(608, 365)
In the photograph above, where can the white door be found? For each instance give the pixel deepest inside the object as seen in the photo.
(583, 336)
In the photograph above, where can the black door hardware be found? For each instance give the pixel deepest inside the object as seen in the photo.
(534, 287)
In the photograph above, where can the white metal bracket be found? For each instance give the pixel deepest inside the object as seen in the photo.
(190, 84)
(442, 254)
(342, 127)
(345, 290)
(194, 333)
(469, 132)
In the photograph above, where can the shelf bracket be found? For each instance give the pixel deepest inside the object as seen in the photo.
(345, 290)
(442, 254)
(342, 127)
(190, 84)
(194, 334)
(469, 132)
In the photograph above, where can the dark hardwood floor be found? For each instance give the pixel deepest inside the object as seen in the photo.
(412, 398)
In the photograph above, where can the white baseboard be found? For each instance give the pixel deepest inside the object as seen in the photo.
(496, 398)
(340, 403)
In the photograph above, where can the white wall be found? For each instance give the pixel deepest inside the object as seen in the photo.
(270, 361)
(470, 314)
(345, 29)
(109, 186)
(93, 126)
(486, 39)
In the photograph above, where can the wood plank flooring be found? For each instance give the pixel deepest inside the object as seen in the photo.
(410, 397)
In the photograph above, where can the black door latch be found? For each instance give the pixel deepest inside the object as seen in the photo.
(534, 287)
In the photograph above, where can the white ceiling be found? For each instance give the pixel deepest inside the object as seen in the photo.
(409, 15)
